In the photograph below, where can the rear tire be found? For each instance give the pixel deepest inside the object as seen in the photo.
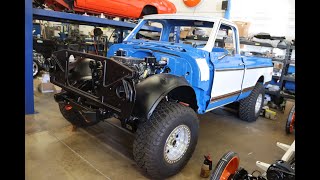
(74, 117)
(164, 144)
(250, 107)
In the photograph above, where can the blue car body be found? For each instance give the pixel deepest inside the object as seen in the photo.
(186, 61)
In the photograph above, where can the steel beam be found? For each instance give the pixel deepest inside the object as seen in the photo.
(56, 16)
(28, 92)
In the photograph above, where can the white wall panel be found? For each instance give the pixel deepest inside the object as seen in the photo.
(276, 17)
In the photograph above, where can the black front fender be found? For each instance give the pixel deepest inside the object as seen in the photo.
(152, 90)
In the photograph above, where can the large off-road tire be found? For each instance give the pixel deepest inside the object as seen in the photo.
(250, 107)
(158, 147)
(74, 117)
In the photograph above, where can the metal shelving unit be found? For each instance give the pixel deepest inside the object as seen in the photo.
(289, 78)
(286, 62)
(261, 44)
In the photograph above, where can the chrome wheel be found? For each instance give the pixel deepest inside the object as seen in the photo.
(177, 144)
(258, 103)
(35, 68)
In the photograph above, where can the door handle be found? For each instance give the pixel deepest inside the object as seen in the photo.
(242, 64)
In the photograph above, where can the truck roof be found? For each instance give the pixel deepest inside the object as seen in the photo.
(186, 17)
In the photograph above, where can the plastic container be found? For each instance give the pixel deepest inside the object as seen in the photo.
(291, 86)
(292, 69)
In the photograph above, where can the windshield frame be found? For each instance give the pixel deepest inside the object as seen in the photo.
(208, 47)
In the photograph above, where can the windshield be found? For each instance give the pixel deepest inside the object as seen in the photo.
(191, 32)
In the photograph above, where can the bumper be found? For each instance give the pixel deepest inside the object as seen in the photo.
(90, 115)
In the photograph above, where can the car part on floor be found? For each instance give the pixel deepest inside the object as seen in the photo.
(228, 169)
(284, 169)
(290, 124)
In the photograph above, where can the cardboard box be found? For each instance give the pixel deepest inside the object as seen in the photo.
(278, 65)
(183, 34)
(243, 28)
(46, 86)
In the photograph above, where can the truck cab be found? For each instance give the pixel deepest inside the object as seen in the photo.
(207, 56)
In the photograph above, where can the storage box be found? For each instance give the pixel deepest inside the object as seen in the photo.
(277, 65)
(292, 69)
(270, 114)
(46, 86)
(183, 34)
(291, 86)
(243, 28)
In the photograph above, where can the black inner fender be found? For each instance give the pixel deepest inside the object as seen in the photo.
(151, 91)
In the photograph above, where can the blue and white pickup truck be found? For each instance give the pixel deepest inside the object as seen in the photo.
(156, 82)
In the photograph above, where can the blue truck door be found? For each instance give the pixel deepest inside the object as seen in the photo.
(228, 69)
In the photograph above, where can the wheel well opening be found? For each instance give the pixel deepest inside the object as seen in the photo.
(149, 9)
(184, 94)
(261, 79)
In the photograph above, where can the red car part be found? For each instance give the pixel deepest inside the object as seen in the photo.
(120, 8)
(226, 167)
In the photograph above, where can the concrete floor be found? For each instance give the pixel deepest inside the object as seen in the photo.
(103, 151)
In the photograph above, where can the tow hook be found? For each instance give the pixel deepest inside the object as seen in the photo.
(68, 107)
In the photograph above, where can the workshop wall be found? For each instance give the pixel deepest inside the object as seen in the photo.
(276, 17)
(204, 8)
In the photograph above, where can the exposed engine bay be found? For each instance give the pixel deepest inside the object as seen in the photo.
(143, 67)
(99, 86)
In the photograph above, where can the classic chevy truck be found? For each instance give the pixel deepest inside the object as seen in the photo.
(156, 86)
